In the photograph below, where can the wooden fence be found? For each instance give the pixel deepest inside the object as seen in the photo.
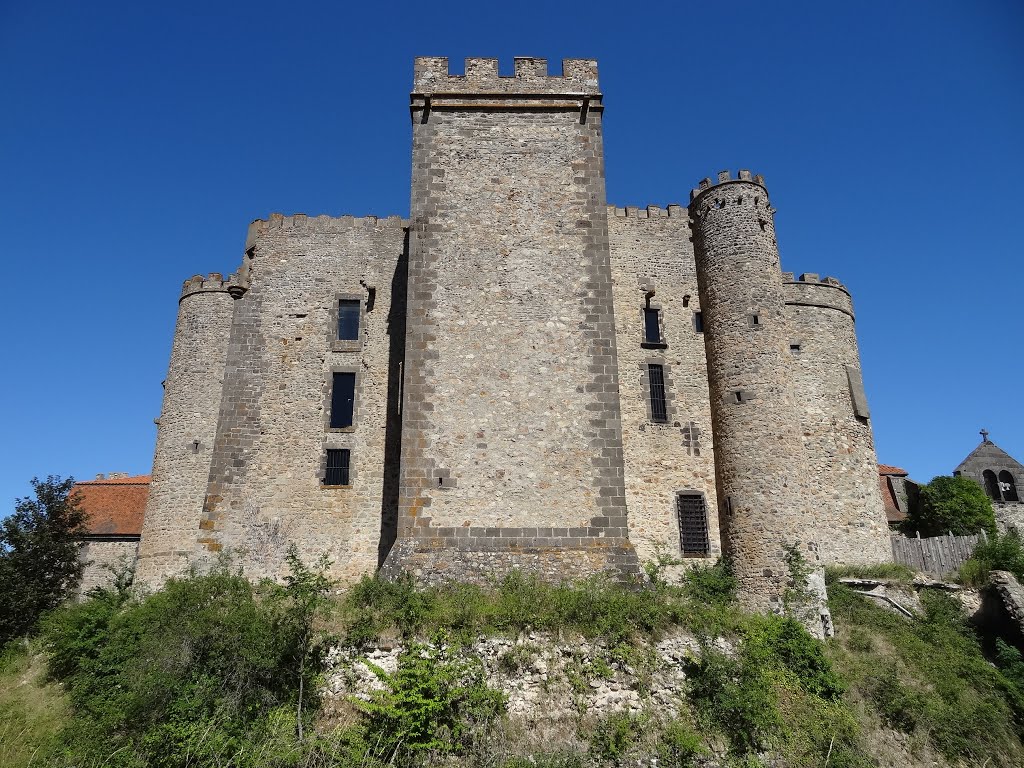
(937, 556)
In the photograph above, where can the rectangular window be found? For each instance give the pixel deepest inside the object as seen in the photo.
(656, 380)
(698, 322)
(652, 326)
(693, 524)
(343, 396)
(337, 466)
(348, 320)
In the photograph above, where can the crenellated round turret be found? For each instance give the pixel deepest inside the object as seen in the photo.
(759, 455)
(187, 425)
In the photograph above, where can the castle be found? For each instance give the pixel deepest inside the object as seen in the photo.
(517, 376)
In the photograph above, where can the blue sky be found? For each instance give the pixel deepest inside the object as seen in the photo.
(137, 142)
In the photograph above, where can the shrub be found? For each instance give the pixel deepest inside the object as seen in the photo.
(998, 553)
(436, 702)
(714, 584)
(613, 735)
(678, 745)
(956, 505)
(210, 670)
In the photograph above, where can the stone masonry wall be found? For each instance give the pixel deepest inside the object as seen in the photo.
(652, 252)
(266, 487)
(101, 558)
(512, 452)
(186, 427)
(761, 471)
(840, 450)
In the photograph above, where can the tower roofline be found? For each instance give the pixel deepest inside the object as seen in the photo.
(725, 178)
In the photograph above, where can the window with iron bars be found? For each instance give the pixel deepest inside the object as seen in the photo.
(656, 386)
(338, 460)
(692, 514)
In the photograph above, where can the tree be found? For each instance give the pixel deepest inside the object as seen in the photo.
(39, 555)
(955, 505)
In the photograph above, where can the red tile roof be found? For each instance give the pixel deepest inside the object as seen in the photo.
(889, 469)
(114, 507)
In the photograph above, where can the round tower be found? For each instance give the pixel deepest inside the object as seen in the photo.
(187, 427)
(759, 454)
(840, 449)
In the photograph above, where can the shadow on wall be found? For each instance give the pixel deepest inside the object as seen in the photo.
(393, 428)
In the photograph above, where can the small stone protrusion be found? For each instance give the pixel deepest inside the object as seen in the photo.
(744, 175)
(724, 176)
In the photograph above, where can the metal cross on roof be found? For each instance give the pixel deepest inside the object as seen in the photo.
(984, 435)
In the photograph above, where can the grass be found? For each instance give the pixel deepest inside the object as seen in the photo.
(927, 678)
(891, 572)
(922, 685)
(32, 710)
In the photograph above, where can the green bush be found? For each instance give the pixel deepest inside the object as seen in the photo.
(436, 702)
(613, 736)
(210, 670)
(998, 553)
(956, 505)
(714, 584)
(678, 745)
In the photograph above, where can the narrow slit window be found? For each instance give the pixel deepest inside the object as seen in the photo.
(343, 396)
(338, 462)
(692, 514)
(348, 320)
(656, 381)
(698, 322)
(652, 326)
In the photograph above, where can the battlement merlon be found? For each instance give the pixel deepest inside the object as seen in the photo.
(481, 86)
(215, 282)
(725, 178)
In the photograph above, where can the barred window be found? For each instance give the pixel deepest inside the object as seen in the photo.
(692, 514)
(337, 466)
(656, 383)
(343, 396)
(348, 320)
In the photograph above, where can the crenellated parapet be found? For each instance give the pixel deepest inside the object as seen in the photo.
(808, 290)
(709, 195)
(649, 212)
(322, 224)
(215, 282)
(579, 76)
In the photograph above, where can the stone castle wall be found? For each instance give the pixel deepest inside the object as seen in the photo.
(653, 265)
(103, 558)
(511, 434)
(838, 444)
(503, 413)
(187, 427)
(266, 483)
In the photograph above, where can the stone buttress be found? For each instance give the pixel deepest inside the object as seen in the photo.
(759, 453)
(187, 426)
(511, 441)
